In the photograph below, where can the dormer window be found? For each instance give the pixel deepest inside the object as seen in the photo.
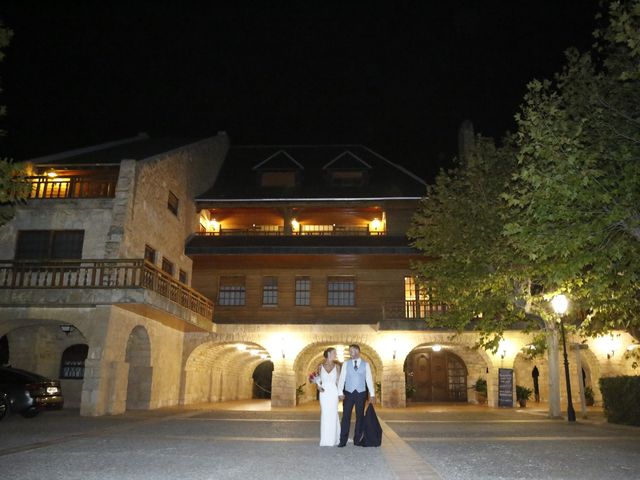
(279, 170)
(347, 169)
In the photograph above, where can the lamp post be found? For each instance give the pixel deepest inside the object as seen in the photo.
(560, 303)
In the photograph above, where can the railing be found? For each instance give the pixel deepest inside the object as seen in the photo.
(79, 186)
(102, 274)
(338, 230)
(410, 309)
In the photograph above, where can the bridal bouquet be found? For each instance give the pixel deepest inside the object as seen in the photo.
(314, 377)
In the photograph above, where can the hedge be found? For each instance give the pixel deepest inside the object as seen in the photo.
(621, 398)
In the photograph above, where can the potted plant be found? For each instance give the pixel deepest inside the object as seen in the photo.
(481, 390)
(409, 391)
(299, 392)
(523, 394)
(588, 396)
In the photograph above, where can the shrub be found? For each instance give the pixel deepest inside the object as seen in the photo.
(523, 393)
(481, 386)
(621, 399)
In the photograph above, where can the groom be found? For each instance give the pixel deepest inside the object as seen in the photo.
(355, 378)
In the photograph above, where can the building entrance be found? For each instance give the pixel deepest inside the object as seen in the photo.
(435, 376)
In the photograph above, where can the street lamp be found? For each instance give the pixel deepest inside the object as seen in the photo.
(560, 303)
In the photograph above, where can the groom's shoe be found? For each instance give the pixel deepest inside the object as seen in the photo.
(342, 445)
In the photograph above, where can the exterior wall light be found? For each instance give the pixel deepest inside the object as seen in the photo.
(67, 329)
(295, 226)
(241, 347)
(436, 347)
(51, 173)
(395, 347)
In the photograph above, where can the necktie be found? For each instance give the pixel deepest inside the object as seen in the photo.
(355, 365)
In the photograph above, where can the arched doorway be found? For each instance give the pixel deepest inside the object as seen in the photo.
(138, 356)
(435, 375)
(72, 373)
(262, 376)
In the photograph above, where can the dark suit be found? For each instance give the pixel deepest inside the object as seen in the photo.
(350, 399)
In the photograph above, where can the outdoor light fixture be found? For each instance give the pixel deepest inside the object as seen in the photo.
(560, 304)
(241, 347)
(295, 225)
(436, 347)
(253, 351)
(395, 347)
(51, 173)
(67, 329)
(282, 346)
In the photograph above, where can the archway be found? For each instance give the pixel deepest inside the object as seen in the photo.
(218, 372)
(312, 355)
(262, 376)
(138, 356)
(434, 374)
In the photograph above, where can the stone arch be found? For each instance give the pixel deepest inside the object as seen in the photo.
(140, 374)
(312, 355)
(221, 371)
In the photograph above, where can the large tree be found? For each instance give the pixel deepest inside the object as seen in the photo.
(575, 197)
(12, 188)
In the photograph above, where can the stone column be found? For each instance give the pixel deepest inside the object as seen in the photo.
(283, 385)
(104, 390)
(554, 371)
(393, 385)
(492, 387)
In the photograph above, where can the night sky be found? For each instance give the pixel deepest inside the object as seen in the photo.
(397, 76)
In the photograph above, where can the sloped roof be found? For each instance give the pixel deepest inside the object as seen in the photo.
(134, 148)
(386, 180)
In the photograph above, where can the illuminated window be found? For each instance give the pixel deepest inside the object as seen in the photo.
(341, 291)
(303, 291)
(415, 298)
(269, 291)
(231, 291)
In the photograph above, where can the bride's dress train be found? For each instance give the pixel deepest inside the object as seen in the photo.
(329, 418)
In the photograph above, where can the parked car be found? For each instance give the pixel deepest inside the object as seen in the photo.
(4, 404)
(28, 393)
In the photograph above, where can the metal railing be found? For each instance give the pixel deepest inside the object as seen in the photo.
(78, 186)
(409, 309)
(104, 273)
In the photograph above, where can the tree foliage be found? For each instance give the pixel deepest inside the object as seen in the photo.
(556, 208)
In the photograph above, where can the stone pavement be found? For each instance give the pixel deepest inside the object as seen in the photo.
(248, 440)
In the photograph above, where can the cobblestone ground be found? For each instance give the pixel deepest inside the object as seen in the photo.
(248, 441)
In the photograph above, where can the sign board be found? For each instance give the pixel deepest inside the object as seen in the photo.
(505, 387)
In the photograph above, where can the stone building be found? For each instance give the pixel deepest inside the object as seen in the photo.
(153, 272)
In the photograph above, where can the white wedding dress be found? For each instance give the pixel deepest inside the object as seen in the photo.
(329, 418)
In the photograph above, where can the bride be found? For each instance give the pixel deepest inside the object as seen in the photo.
(329, 373)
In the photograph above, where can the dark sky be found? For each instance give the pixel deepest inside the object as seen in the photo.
(398, 76)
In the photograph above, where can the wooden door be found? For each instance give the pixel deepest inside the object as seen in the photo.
(421, 368)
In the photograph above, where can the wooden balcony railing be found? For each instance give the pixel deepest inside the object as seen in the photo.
(102, 274)
(79, 186)
(419, 309)
(338, 230)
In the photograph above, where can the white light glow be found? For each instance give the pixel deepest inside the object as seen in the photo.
(436, 347)
(241, 347)
(560, 304)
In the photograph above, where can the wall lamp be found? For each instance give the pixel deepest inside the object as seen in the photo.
(282, 346)
(67, 329)
(395, 347)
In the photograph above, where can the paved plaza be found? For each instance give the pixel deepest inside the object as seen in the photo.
(248, 440)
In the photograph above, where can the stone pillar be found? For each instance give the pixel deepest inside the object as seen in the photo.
(492, 387)
(283, 385)
(287, 214)
(393, 385)
(104, 390)
(554, 371)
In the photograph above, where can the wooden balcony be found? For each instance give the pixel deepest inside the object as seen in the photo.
(337, 230)
(76, 186)
(408, 314)
(102, 274)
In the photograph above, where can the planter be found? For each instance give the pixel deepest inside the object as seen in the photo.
(523, 403)
(481, 398)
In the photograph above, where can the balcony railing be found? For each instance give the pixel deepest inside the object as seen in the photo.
(338, 230)
(102, 274)
(411, 309)
(79, 186)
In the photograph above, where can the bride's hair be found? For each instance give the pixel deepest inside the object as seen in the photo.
(326, 352)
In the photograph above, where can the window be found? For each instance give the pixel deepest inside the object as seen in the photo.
(269, 291)
(49, 244)
(341, 291)
(150, 254)
(416, 299)
(231, 291)
(278, 179)
(182, 276)
(347, 178)
(172, 203)
(72, 363)
(167, 266)
(303, 291)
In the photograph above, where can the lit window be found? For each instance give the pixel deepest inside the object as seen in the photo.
(303, 291)
(341, 291)
(269, 291)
